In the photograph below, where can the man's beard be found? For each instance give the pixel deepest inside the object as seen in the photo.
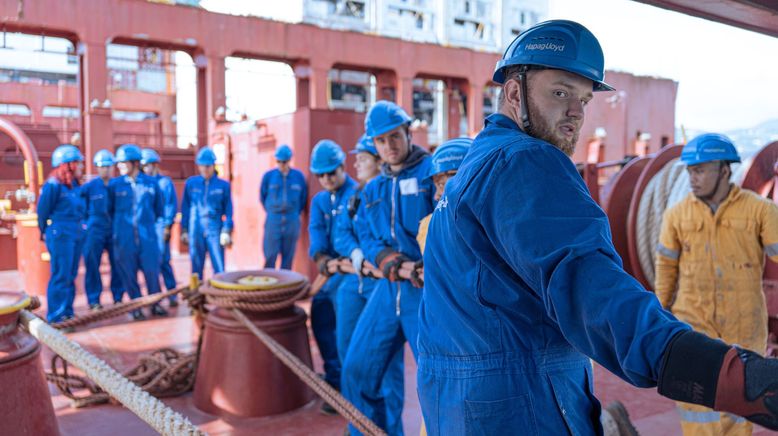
(539, 128)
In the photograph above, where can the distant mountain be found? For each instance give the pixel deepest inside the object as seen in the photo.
(748, 140)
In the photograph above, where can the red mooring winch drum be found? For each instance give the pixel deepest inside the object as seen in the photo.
(25, 402)
(237, 375)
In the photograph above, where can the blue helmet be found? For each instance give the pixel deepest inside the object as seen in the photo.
(66, 153)
(128, 153)
(449, 155)
(283, 153)
(558, 44)
(205, 156)
(709, 147)
(103, 158)
(149, 156)
(365, 145)
(383, 117)
(326, 157)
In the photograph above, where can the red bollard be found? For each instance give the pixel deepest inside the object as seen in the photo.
(25, 402)
(237, 375)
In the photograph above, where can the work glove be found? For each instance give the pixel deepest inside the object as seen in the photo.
(166, 234)
(184, 237)
(357, 259)
(322, 263)
(390, 265)
(417, 274)
(225, 239)
(699, 370)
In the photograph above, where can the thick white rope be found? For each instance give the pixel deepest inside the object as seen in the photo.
(667, 188)
(670, 181)
(154, 412)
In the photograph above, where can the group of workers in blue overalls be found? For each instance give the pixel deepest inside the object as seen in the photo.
(130, 217)
(523, 287)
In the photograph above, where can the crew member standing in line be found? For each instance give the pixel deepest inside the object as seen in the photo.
(134, 203)
(283, 193)
(353, 297)
(206, 214)
(150, 163)
(99, 233)
(327, 165)
(61, 203)
(392, 204)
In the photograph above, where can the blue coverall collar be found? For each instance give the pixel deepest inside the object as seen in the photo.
(502, 121)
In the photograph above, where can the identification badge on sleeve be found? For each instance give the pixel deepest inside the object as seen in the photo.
(409, 186)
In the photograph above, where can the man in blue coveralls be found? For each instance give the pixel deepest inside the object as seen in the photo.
(392, 205)
(134, 204)
(61, 214)
(283, 193)
(327, 165)
(206, 214)
(353, 297)
(150, 163)
(523, 284)
(99, 234)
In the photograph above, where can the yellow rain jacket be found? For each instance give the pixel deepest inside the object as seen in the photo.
(709, 265)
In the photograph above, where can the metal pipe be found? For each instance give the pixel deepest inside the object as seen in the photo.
(28, 150)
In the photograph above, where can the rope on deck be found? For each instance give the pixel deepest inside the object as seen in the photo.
(154, 412)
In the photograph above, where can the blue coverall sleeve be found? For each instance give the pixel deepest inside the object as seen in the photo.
(371, 244)
(263, 189)
(159, 203)
(542, 221)
(171, 202)
(228, 209)
(46, 204)
(303, 194)
(317, 230)
(185, 208)
(345, 239)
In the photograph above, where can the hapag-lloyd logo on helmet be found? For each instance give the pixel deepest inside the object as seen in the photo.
(550, 46)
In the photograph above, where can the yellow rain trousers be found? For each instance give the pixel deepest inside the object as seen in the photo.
(709, 274)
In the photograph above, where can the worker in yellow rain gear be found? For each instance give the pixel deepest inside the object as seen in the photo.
(710, 263)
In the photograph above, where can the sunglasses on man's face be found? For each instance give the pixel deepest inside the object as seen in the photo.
(329, 174)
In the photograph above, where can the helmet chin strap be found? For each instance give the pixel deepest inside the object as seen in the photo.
(715, 189)
(525, 124)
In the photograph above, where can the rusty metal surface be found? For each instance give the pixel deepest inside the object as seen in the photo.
(658, 162)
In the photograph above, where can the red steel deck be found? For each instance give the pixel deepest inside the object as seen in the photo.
(120, 342)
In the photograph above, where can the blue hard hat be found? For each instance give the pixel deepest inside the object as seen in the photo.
(103, 158)
(709, 147)
(128, 152)
(66, 153)
(326, 157)
(365, 145)
(558, 44)
(383, 117)
(149, 156)
(283, 153)
(205, 156)
(449, 155)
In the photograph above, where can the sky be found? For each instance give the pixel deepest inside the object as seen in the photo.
(727, 76)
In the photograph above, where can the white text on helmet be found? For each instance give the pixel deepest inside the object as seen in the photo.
(546, 46)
